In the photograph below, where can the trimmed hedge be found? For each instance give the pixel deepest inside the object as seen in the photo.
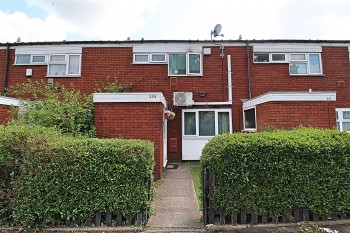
(272, 172)
(50, 177)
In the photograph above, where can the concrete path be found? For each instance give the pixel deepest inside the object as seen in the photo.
(176, 206)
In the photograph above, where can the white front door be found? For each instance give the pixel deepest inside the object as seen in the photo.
(165, 142)
(201, 125)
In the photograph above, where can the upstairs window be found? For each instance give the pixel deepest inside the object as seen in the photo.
(185, 64)
(305, 64)
(148, 58)
(28, 59)
(64, 65)
(270, 58)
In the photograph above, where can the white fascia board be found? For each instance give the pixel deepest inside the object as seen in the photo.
(167, 48)
(9, 101)
(286, 48)
(141, 97)
(290, 96)
(48, 49)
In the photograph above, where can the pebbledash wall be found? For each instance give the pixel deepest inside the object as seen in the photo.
(235, 85)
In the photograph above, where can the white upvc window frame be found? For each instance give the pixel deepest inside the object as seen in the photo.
(141, 54)
(154, 54)
(340, 118)
(270, 55)
(305, 61)
(216, 118)
(66, 63)
(31, 62)
(245, 129)
(188, 73)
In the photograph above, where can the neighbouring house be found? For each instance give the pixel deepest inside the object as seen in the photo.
(212, 87)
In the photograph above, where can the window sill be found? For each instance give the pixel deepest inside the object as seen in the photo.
(185, 75)
(249, 131)
(307, 75)
(31, 64)
(63, 76)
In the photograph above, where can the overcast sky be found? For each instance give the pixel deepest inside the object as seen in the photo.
(57, 20)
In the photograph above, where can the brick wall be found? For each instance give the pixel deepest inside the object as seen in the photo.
(133, 121)
(286, 115)
(4, 113)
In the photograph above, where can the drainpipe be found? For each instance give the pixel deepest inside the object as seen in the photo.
(6, 68)
(248, 70)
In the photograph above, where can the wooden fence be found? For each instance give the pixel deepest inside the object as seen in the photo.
(220, 217)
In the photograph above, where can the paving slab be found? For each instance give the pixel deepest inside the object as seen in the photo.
(176, 206)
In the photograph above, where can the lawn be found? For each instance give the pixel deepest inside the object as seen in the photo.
(196, 171)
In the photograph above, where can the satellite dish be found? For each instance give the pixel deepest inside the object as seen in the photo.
(217, 30)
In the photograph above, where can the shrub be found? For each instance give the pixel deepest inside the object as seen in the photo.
(66, 109)
(58, 177)
(272, 172)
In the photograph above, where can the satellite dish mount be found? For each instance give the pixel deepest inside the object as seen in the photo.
(216, 32)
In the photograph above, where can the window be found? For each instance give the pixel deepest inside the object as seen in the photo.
(343, 119)
(249, 119)
(64, 65)
(270, 57)
(185, 64)
(158, 57)
(140, 58)
(148, 58)
(206, 123)
(305, 64)
(30, 59)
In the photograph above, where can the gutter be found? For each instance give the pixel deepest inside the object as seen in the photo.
(248, 71)
(229, 82)
(6, 68)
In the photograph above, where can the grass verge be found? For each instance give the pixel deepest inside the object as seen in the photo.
(196, 172)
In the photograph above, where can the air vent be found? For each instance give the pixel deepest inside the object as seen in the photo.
(183, 99)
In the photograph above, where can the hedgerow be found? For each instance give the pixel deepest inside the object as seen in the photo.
(272, 172)
(47, 177)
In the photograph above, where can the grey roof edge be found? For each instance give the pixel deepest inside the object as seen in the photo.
(64, 42)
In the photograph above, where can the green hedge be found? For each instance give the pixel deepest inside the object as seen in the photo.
(58, 177)
(272, 172)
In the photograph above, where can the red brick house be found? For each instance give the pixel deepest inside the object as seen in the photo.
(213, 88)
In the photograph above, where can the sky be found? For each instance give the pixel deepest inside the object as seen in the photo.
(94, 20)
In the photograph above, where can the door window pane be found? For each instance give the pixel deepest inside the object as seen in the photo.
(224, 122)
(207, 123)
(315, 64)
(190, 123)
(177, 64)
(194, 63)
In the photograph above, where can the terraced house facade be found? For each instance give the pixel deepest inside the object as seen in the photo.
(212, 87)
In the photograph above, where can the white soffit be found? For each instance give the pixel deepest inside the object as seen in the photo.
(290, 96)
(142, 97)
(48, 49)
(167, 48)
(9, 101)
(286, 48)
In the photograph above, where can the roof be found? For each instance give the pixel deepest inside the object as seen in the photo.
(125, 42)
